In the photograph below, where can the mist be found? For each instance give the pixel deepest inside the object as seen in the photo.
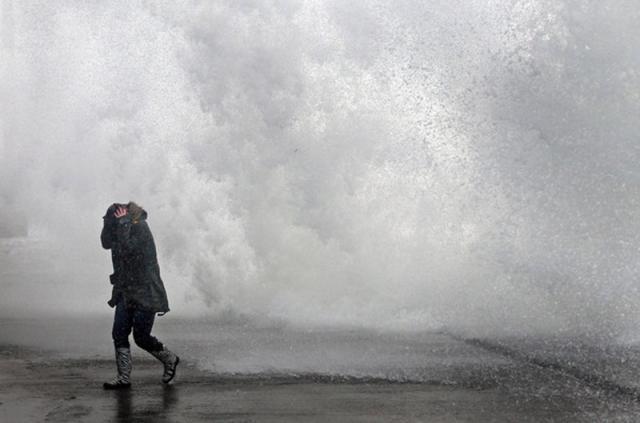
(470, 165)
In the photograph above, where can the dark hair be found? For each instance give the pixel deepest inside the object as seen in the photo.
(111, 211)
(110, 214)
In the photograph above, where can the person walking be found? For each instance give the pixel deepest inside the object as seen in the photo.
(137, 293)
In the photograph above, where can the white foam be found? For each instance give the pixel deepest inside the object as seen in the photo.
(464, 163)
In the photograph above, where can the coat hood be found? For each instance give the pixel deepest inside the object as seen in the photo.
(136, 212)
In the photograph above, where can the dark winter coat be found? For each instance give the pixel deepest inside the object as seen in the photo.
(136, 274)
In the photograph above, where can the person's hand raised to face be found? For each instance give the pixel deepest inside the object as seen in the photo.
(120, 212)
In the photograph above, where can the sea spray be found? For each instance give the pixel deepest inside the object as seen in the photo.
(407, 165)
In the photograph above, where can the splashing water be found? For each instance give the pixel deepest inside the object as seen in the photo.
(404, 165)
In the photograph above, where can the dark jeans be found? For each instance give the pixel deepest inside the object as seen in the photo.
(140, 321)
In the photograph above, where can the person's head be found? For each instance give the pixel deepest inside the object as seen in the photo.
(133, 210)
(110, 213)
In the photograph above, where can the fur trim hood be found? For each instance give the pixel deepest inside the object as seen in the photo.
(136, 212)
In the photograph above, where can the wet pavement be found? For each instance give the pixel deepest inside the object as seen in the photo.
(476, 386)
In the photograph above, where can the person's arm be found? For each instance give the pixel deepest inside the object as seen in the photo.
(107, 233)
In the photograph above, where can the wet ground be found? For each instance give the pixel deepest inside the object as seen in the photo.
(45, 375)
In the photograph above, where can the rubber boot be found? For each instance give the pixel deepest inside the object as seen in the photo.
(123, 362)
(170, 361)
